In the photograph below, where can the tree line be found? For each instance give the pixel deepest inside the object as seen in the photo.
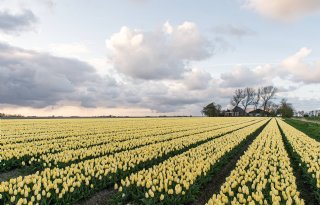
(3, 115)
(260, 98)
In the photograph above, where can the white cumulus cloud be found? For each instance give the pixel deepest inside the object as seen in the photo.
(157, 54)
(295, 68)
(283, 9)
(299, 69)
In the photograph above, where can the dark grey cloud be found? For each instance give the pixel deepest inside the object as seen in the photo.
(38, 80)
(16, 22)
(172, 103)
(29, 78)
(155, 95)
(162, 96)
(174, 99)
(34, 79)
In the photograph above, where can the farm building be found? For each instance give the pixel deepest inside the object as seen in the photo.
(258, 112)
(235, 112)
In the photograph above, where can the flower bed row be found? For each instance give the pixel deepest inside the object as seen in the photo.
(263, 175)
(66, 157)
(178, 179)
(63, 185)
(306, 152)
(18, 155)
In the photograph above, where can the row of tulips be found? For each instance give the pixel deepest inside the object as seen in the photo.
(20, 131)
(72, 155)
(17, 155)
(306, 151)
(60, 129)
(263, 175)
(75, 133)
(177, 179)
(64, 185)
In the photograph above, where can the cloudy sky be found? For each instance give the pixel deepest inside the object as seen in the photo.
(151, 57)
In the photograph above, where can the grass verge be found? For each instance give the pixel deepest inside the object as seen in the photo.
(309, 128)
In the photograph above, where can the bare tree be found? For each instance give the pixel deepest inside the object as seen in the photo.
(248, 97)
(257, 97)
(272, 108)
(267, 94)
(237, 97)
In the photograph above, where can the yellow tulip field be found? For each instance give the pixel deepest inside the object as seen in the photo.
(240, 160)
(264, 166)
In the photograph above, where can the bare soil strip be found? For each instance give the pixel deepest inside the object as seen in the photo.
(100, 198)
(5, 176)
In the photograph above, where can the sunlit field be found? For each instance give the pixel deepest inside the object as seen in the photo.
(158, 161)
